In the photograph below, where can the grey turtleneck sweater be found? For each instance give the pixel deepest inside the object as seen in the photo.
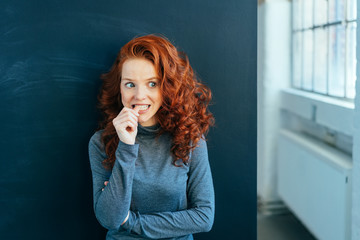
(164, 201)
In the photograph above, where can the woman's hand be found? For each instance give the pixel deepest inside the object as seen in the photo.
(105, 183)
(126, 124)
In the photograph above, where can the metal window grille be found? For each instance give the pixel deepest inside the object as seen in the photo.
(324, 47)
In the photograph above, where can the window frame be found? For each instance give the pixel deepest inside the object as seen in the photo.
(298, 70)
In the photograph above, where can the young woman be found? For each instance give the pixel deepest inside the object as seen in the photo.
(149, 162)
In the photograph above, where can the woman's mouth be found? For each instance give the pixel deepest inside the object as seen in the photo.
(141, 107)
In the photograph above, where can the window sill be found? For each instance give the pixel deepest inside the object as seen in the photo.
(333, 113)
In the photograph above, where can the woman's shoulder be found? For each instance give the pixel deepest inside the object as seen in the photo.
(96, 138)
(200, 152)
(202, 141)
(201, 144)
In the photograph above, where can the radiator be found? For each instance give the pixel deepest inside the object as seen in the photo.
(314, 181)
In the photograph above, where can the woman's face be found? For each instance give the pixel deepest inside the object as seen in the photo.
(139, 86)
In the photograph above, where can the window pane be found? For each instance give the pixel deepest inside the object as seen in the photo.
(351, 58)
(297, 50)
(308, 13)
(324, 46)
(321, 12)
(337, 61)
(351, 10)
(336, 10)
(297, 7)
(308, 60)
(320, 60)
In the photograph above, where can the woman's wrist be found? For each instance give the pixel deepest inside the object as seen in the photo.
(127, 141)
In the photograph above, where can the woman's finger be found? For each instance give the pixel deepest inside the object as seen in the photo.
(105, 183)
(124, 118)
(126, 115)
(133, 111)
(125, 123)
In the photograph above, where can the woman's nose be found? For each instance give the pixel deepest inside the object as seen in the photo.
(140, 93)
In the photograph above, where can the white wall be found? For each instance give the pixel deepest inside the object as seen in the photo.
(356, 149)
(273, 75)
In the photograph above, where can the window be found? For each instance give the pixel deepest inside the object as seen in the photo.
(324, 47)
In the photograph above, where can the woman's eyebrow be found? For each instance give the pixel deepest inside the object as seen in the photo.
(130, 79)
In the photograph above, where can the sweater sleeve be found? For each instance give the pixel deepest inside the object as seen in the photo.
(112, 205)
(199, 215)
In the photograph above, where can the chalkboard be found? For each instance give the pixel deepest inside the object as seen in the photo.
(52, 54)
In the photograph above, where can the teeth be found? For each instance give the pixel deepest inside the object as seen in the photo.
(142, 107)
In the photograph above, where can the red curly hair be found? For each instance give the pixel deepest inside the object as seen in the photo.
(184, 111)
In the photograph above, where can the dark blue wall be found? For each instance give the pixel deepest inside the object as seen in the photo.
(51, 56)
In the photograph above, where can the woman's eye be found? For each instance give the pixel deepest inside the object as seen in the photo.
(129, 85)
(152, 84)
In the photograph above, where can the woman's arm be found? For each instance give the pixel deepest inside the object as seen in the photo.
(198, 217)
(112, 205)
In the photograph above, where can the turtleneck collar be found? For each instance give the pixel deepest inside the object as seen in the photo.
(149, 131)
